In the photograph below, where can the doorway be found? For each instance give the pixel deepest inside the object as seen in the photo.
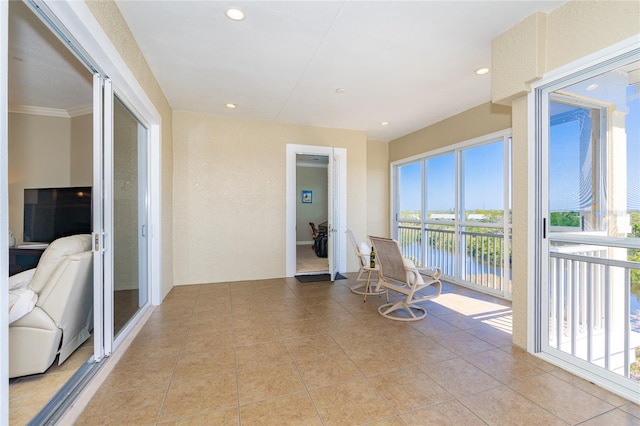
(99, 127)
(312, 212)
(336, 206)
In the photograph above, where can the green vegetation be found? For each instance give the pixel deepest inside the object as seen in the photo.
(634, 255)
(487, 249)
(565, 219)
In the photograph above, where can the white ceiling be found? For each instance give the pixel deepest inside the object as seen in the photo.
(43, 73)
(407, 63)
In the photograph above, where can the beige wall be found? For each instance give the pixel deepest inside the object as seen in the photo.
(46, 152)
(39, 157)
(377, 190)
(82, 150)
(229, 194)
(479, 121)
(108, 16)
(572, 31)
(314, 179)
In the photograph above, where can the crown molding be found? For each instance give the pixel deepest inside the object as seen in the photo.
(51, 112)
(81, 110)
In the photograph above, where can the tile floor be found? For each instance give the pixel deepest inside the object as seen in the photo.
(277, 352)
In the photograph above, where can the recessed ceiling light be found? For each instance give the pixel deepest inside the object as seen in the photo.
(231, 106)
(341, 90)
(384, 123)
(592, 87)
(482, 71)
(235, 14)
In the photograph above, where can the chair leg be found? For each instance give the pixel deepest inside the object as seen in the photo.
(402, 305)
(366, 288)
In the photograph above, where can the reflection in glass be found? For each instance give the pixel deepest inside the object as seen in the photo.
(129, 213)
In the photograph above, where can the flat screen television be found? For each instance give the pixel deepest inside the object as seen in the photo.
(51, 213)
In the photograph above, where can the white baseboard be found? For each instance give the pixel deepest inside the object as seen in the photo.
(304, 243)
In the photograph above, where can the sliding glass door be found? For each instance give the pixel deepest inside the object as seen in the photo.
(590, 241)
(120, 218)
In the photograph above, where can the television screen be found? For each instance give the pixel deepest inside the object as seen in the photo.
(51, 213)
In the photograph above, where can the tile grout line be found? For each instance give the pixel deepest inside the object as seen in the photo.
(175, 366)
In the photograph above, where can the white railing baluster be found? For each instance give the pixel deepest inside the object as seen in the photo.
(590, 305)
(627, 321)
(574, 306)
(560, 302)
(607, 316)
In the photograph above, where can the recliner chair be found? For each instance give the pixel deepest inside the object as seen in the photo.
(62, 317)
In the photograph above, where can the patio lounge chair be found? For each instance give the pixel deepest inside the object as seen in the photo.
(402, 276)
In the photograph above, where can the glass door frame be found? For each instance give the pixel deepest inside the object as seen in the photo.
(77, 21)
(539, 231)
(4, 211)
(143, 142)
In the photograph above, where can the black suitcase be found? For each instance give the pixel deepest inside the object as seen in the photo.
(320, 245)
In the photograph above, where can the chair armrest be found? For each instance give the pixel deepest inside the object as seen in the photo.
(431, 271)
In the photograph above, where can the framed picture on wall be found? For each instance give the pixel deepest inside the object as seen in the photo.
(306, 196)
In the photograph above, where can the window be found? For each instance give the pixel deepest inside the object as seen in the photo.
(451, 209)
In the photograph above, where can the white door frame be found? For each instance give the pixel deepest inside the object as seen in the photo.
(4, 214)
(340, 258)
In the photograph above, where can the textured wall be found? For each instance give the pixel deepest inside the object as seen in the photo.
(229, 193)
(517, 58)
(580, 28)
(377, 190)
(519, 221)
(481, 120)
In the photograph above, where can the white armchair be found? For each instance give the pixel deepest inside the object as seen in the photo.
(62, 317)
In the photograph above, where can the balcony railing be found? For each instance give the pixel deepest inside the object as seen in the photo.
(480, 265)
(589, 306)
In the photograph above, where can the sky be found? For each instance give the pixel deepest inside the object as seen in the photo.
(483, 180)
(482, 166)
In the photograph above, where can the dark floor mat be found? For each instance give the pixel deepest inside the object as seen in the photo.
(318, 277)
